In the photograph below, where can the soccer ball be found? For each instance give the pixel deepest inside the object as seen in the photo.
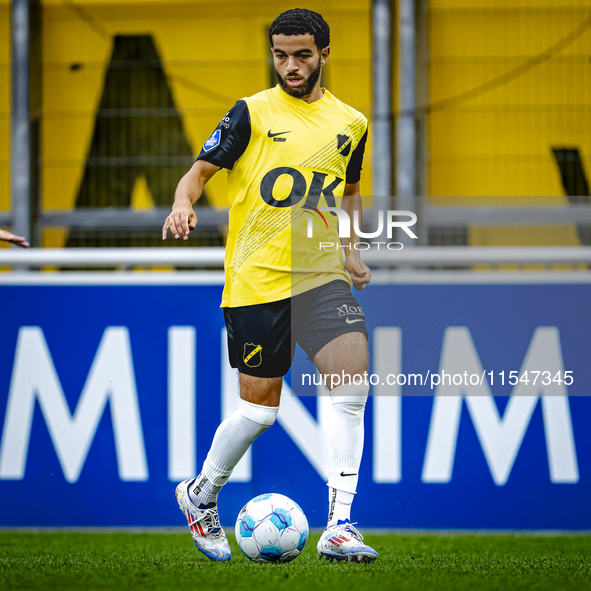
(271, 528)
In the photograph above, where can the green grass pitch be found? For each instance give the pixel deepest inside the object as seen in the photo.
(155, 561)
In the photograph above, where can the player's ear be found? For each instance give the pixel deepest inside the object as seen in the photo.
(324, 53)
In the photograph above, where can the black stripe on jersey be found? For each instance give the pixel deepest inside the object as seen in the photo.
(354, 167)
(235, 129)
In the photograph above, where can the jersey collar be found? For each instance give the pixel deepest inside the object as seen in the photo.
(301, 105)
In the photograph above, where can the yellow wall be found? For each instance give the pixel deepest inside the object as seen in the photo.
(496, 149)
(4, 105)
(218, 45)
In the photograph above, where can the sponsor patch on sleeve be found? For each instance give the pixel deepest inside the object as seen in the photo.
(213, 141)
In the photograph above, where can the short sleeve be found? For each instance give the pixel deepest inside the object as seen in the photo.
(354, 168)
(230, 138)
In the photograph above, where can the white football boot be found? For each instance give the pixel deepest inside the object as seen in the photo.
(344, 542)
(204, 523)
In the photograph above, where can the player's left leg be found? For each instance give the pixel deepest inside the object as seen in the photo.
(346, 355)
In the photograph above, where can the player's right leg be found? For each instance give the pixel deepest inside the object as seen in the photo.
(260, 348)
(197, 497)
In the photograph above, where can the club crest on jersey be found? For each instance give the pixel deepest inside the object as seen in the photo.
(213, 141)
(343, 144)
(253, 355)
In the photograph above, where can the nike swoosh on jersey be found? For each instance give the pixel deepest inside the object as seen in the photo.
(269, 134)
(349, 321)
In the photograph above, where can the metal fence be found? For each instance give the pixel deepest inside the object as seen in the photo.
(201, 258)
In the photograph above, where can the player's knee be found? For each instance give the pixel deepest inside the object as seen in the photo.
(354, 395)
(262, 415)
(260, 391)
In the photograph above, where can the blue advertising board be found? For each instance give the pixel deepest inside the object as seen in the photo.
(111, 394)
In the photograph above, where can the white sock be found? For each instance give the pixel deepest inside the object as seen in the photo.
(339, 505)
(345, 447)
(232, 438)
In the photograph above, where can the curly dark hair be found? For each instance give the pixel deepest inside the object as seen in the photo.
(299, 21)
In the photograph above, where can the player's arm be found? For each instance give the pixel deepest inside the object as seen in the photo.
(9, 237)
(182, 219)
(223, 148)
(360, 273)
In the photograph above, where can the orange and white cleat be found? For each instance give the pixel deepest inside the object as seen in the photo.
(204, 523)
(343, 542)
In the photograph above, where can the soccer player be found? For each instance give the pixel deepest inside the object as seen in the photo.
(18, 240)
(285, 149)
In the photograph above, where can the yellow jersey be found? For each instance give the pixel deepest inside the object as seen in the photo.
(286, 159)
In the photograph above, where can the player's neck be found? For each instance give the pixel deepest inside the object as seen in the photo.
(316, 94)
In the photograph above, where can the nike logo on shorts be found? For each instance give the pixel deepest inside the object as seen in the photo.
(349, 321)
(269, 134)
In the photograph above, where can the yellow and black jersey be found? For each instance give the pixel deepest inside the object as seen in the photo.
(286, 158)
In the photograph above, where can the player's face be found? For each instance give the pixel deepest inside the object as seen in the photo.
(298, 63)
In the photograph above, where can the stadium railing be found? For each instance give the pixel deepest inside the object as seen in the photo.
(434, 217)
(213, 257)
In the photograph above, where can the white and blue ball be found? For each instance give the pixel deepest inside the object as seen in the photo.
(271, 528)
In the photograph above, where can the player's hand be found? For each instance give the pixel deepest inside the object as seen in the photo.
(359, 271)
(18, 240)
(180, 221)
